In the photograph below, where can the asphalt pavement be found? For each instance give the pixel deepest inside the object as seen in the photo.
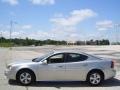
(7, 56)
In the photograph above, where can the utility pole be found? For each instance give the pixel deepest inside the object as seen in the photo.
(117, 26)
(11, 28)
(1, 38)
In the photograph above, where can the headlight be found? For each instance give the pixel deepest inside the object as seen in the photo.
(9, 67)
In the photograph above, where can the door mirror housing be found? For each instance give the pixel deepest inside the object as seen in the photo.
(44, 62)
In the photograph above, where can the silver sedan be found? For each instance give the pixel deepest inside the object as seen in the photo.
(62, 66)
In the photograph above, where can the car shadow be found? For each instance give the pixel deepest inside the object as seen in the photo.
(108, 83)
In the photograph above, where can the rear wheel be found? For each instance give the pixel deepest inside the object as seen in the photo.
(94, 78)
(25, 77)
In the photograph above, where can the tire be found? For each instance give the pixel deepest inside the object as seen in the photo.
(95, 78)
(25, 77)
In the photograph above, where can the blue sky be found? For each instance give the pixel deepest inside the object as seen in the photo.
(60, 19)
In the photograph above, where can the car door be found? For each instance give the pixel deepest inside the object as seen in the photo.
(76, 66)
(54, 70)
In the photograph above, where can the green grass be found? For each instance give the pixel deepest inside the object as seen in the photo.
(5, 44)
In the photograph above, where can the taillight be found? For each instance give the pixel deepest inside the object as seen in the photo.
(112, 64)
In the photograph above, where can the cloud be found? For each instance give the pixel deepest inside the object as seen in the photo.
(43, 2)
(75, 17)
(69, 34)
(55, 34)
(26, 26)
(15, 34)
(11, 2)
(60, 33)
(65, 27)
(23, 31)
(104, 25)
(35, 2)
(17, 30)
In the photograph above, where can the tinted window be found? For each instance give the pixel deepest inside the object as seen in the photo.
(73, 57)
(58, 58)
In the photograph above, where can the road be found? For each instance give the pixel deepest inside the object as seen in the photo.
(7, 56)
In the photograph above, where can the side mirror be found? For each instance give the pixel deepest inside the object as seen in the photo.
(44, 62)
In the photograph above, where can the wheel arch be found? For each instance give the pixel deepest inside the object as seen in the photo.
(25, 69)
(96, 70)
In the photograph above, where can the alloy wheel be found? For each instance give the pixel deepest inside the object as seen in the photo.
(25, 78)
(95, 78)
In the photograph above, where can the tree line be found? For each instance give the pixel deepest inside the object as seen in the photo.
(94, 42)
(29, 42)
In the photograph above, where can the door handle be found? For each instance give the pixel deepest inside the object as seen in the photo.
(85, 64)
(60, 66)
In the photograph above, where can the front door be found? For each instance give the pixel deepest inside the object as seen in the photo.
(54, 70)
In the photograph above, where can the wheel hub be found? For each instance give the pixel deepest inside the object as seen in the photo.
(95, 78)
(25, 78)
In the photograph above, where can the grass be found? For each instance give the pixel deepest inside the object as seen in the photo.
(5, 44)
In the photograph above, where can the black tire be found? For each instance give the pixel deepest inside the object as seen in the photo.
(95, 81)
(30, 74)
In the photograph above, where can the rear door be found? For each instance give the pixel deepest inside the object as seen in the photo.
(76, 66)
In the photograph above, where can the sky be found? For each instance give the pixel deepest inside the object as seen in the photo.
(60, 19)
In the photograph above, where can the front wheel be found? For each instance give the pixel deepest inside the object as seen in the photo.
(25, 77)
(94, 78)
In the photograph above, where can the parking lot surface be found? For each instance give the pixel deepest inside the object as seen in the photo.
(20, 53)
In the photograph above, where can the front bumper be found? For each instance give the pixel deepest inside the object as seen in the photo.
(10, 74)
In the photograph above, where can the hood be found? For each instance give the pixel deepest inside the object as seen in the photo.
(26, 61)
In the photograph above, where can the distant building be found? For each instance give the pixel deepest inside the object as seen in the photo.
(71, 42)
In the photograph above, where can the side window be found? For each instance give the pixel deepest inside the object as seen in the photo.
(58, 58)
(73, 57)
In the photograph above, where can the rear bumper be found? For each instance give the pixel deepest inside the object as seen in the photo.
(109, 73)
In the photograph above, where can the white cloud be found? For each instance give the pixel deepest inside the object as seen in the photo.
(17, 27)
(65, 26)
(35, 2)
(69, 34)
(17, 30)
(55, 34)
(22, 31)
(61, 33)
(15, 34)
(26, 26)
(75, 17)
(104, 25)
(11, 2)
(43, 2)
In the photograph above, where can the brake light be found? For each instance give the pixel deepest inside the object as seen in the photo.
(112, 64)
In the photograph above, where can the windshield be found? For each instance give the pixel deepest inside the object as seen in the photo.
(42, 57)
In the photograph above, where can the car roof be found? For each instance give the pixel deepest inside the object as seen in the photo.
(68, 51)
